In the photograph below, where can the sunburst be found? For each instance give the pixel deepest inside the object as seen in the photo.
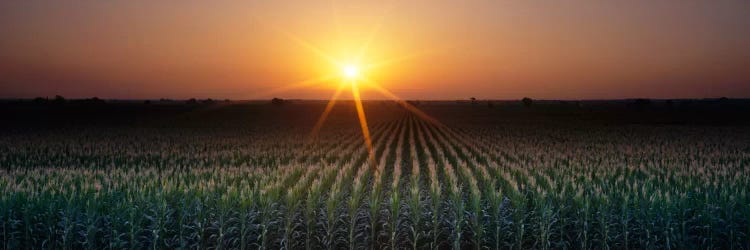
(353, 75)
(350, 71)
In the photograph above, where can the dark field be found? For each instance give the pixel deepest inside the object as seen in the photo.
(247, 175)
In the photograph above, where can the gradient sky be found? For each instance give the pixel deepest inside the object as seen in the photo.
(458, 49)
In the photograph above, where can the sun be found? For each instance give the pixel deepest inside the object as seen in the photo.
(350, 71)
(352, 74)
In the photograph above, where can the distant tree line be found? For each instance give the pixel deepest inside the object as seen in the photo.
(277, 101)
(193, 101)
(639, 104)
(60, 100)
(526, 101)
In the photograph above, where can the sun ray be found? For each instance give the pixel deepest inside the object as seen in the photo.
(363, 124)
(406, 105)
(319, 52)
(375, 30)
(324, 116)
(399, 59)
(311, 47)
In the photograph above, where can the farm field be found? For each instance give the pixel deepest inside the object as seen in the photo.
(254, 176)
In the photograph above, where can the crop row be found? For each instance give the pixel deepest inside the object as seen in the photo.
(428, 186)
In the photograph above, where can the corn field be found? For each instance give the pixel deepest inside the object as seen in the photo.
(432, 185)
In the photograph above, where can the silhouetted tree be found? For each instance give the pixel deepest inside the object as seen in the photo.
(208, 101)
(723, 102)
(527, 101)
(473, 101)
(277, 101)
(192, 101)
(40, 100)
(89, 101)
(59, 100)
(147, 102)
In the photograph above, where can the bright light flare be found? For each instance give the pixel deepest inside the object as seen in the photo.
(350, 71)
(353, 75)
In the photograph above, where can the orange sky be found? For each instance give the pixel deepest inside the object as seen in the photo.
(486, 49)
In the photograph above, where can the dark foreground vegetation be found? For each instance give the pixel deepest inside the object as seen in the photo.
(647, 174)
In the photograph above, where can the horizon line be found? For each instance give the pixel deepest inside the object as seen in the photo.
(405, 99)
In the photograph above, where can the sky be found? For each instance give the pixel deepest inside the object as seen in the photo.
(580, 49)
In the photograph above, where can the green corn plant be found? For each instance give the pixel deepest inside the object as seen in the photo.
(395, 202)
(246, 217)
(331, 212)
(267, 203)
(415, 214)
(51, 220)
(220, 224)
(603, 214)
(293, 199)
(27, 222)
(134, 224)
(353, 204)
(180, 239)
(583, 215)
(11, 231)
(454, 192)
(625, 218)
(495, 210)
(435, 204)
(4, 219)
(475, 211)
(546, 218)
(311, 213)
(415, 199)
(518, 202)
(374, 203)
(92, 229)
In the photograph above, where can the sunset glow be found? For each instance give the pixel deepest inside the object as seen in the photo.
(439, 50)
(350, 71)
